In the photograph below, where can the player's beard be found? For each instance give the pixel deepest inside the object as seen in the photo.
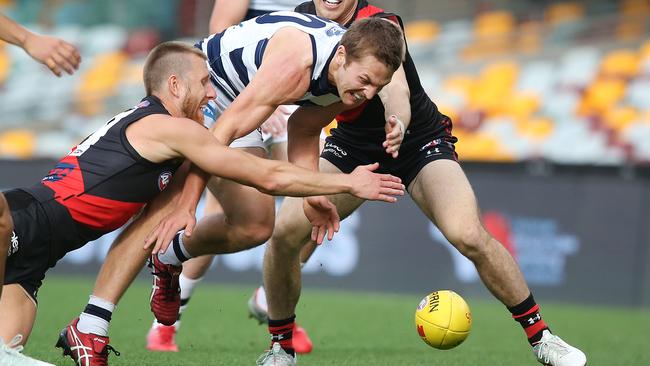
(192, 108)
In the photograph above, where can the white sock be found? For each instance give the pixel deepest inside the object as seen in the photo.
(176, 253)
(95, 318)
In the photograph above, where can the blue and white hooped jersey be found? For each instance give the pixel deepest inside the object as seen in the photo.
(235, 55)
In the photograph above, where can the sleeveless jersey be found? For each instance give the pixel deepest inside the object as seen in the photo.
(235, 55)
(103, 181)
(367, 120)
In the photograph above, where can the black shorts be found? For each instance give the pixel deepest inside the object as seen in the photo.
(348, 148)
(43, 232)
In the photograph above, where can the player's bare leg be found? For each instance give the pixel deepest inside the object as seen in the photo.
(162, 337)
(282, 277)
(444, 194)
(17, 313)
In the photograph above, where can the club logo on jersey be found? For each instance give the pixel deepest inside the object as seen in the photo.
(13, 248)
(163, 180)
(60, 171)
(335, 31)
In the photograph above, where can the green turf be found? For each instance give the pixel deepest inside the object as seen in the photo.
(347, 329)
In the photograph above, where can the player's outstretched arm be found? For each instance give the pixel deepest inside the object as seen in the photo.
(397, 106)
(178, 137)
(55, 53)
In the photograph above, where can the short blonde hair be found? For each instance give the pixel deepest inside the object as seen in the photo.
(165, 60)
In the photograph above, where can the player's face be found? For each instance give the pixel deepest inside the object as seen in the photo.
(340, 11)
(361, 80)
(199, 89)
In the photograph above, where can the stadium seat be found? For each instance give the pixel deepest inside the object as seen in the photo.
(421, 31)
(620, 64)
(17, 143)
(99, 82)
(564, 12)
(601, 95)
(5, 64)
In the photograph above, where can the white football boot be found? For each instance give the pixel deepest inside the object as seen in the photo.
(276, 356)
(257, 306)
(551, 350)
(10, 354)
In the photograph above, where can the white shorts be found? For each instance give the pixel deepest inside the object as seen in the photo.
(254, 139)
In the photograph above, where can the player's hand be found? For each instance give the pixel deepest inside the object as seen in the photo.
(373, 186)
(53, 52)
(163, 234)
(395, 131)
(323, 217)
(276, 124)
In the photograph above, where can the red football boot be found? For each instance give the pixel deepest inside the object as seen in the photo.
(301, 341)
(162, 338)
(86, 349)
(166, 292)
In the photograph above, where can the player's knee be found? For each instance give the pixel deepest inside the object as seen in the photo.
(255, 234)
(471, 241)
(288, 237)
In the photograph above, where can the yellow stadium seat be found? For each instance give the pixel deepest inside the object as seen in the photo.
(494, 24)
(601, 95)
(330, 126)
(564, 12)
(481, 147)
(421, 31)
(522, 106)
(620, 117)
(100, 82)
(5, 65)
(635, 8)
(17, 143)
(536, 129)
(493, 89)
(644, 51)
(620, 63)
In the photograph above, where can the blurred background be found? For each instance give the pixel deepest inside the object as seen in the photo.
(550, 102)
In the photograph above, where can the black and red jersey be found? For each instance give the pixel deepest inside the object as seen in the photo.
(103, 181)
(367, 121)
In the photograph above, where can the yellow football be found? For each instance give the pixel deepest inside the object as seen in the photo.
(443, 319)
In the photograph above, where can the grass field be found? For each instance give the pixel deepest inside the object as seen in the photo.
(347, 329)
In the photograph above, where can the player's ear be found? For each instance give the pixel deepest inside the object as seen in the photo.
(340, 55)
(174, 85)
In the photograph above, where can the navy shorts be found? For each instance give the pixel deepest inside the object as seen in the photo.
(349, 147)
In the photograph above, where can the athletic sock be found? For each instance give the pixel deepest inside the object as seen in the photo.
(187, 289)
(176, 253)
(282, 332)
(96, 316)
(527, 314)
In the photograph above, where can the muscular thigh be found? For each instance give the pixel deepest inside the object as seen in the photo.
(242, 204)
(444, 194)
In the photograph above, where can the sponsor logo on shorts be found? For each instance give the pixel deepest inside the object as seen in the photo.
(13, 248)
(163, 180)
(334, 150)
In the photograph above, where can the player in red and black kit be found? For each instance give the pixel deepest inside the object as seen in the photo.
(403, 130)
(116, 171)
